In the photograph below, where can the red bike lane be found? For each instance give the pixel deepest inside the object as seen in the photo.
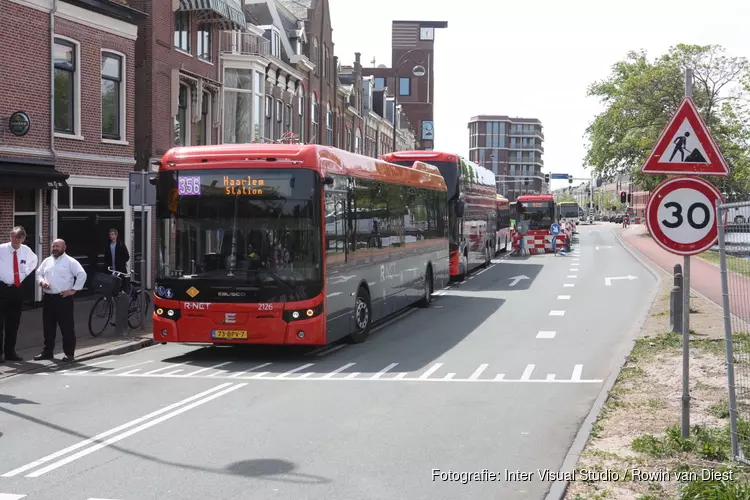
(705, 277)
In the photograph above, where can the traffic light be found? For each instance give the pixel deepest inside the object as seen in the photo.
(630, 198)
(623, 197)
(570, 179)
(546, 178)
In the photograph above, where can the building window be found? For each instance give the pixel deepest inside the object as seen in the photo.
(182, 131)
(314, 139)
(66, 66)
(275, 43)
(204, 124)
(279, 119)
(358, 142)
(379, 82)
(404, 86)
(329, 127)
(301, 115)
(204, 41)
(315, 54)
(268, 132)
(241, 102)
(112, 98)
(325, 61)
(288, 118)
(182, 30)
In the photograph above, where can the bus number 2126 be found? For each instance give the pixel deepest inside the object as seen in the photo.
(265, 307)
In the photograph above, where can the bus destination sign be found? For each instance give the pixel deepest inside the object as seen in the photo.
(244, 186)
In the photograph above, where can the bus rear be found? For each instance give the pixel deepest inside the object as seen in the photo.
(239, 247)
(570, 211)
(502, 234)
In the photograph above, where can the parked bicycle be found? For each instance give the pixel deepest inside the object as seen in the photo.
(110, 286)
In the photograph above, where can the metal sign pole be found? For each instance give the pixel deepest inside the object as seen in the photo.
(686, 309)
(144, 180)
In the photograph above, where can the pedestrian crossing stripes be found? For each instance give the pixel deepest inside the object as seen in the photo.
(308, 372)
(13, 496)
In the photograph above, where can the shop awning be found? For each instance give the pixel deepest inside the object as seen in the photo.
(228, 13)
(29, 174)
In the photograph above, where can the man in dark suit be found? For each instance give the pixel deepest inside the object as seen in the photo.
(116, 255)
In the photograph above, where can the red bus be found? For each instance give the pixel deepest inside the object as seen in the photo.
(472, 207)
(292, 244)
(502, 235)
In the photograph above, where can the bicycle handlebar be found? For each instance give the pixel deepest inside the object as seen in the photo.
(118, 273)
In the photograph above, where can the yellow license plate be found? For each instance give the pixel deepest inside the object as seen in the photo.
(229, 334)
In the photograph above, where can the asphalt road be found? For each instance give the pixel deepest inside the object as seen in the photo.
(497, 375)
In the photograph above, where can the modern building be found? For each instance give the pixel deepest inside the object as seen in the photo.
(512, 148)
(67, 141)
(413, 47)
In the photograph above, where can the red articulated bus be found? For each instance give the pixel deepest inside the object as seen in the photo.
(292, 244)
(502, 236)
(472, 207)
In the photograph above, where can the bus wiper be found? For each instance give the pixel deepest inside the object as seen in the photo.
(276, 277)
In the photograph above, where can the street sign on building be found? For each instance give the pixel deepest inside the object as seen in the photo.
(686, 147)
(137, 184)
(681, 215)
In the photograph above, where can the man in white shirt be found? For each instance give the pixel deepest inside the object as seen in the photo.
(60, 277)
(17, 261)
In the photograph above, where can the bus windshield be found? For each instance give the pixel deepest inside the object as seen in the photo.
(448, 169)
(259, 228)
(540, 214)
(569, 210)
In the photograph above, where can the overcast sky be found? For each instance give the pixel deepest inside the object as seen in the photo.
(534, 59)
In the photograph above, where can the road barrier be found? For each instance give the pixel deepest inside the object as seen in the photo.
(734, 262)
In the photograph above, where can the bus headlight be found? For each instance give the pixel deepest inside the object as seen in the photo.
(167, 313)
(298, 314)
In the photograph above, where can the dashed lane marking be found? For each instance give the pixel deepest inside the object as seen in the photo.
(340, 373)
(563, 297)
(557, 313)
(572, 276)
(569, 285)
(546, 335)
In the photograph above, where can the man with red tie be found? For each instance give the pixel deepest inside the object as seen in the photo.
(17, 261)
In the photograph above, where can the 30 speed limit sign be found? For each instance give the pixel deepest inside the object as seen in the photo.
(681, 214)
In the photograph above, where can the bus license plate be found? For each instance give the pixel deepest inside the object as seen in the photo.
(229, 334)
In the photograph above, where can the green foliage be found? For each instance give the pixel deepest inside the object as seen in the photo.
(641, 95)
(564, 197)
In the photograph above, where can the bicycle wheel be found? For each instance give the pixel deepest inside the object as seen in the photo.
(102, 310)
(136, 307)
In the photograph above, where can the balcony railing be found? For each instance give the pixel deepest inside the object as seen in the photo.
(533, 147)
(244, 44)
(527, 133)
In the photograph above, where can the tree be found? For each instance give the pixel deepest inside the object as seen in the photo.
(564, 197)
(640, 96)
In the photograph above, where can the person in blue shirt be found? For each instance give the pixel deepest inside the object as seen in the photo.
(116, 255)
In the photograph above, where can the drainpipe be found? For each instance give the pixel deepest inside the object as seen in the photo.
(52, 106)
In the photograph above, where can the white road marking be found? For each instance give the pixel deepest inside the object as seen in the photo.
(108, 433)
(432, 370)
(163, 368)
(129, 366)
(563, 297)
(143, 427)
(478, 371)
(499, 377)
(400, 376)
(295, 370)
(550, 377)
(527, 373)
(352, 375)
(384, 370)
(80, 369)
(577, 371)
(238, 374)
(546, 335)
(572, 276)
(449, 376)
(171, 374)
(10, 496)
(568, 285)
(576, 259)
(557, 313)
(207, 369)
(338, 370)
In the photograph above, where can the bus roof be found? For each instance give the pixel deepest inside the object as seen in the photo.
(567, 203)
(324, 159)
(476, 173)
(535, 197)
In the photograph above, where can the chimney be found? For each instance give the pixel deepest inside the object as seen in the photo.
(357, 56)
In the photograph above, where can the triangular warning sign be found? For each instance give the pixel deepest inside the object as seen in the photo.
(686, 147)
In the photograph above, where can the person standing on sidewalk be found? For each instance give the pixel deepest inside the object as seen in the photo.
(116, 256)
(60, 277)
(17, 261)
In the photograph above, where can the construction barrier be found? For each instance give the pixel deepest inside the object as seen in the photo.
(538, 243)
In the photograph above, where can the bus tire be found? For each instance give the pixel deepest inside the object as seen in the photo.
(428, 288)
(487, 257)
(362, 317)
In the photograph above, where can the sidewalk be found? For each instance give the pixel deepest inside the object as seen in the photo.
(31, 340)
(705, 278)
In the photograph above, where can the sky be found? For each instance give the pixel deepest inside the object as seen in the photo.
(536, 59)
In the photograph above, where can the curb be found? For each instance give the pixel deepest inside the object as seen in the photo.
(116, 351)
(559, 488)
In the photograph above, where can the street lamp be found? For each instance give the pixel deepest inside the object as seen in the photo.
(418, 71)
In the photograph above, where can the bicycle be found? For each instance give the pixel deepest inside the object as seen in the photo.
(104, 306)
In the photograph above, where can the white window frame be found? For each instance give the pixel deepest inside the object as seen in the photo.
(358, 141)
(123, 92)
(301, 103)
(76, 135)
(253, 92)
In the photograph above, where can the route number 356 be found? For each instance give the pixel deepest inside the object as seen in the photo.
(677, 218)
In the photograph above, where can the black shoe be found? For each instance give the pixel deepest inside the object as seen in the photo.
(69, 359)
(43, 355)
(13, 357)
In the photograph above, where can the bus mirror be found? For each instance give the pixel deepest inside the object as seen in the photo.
(328, 180)
(460, 207)
(519, 208)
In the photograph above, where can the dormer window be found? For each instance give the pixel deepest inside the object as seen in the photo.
(274, 37)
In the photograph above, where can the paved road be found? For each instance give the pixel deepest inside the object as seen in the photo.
(498, 374)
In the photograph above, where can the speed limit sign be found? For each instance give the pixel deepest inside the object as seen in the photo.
(681, 214)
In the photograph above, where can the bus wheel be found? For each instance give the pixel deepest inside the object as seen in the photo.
(487, 257)
(362, 317)
(426, 299)
(465, 262)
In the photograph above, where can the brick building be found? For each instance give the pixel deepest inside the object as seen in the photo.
(66, 156)
(412, 45)
(512, 148)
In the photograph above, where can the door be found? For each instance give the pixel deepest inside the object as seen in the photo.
(28, 221)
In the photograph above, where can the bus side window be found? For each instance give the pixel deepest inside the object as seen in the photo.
(335, 220)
